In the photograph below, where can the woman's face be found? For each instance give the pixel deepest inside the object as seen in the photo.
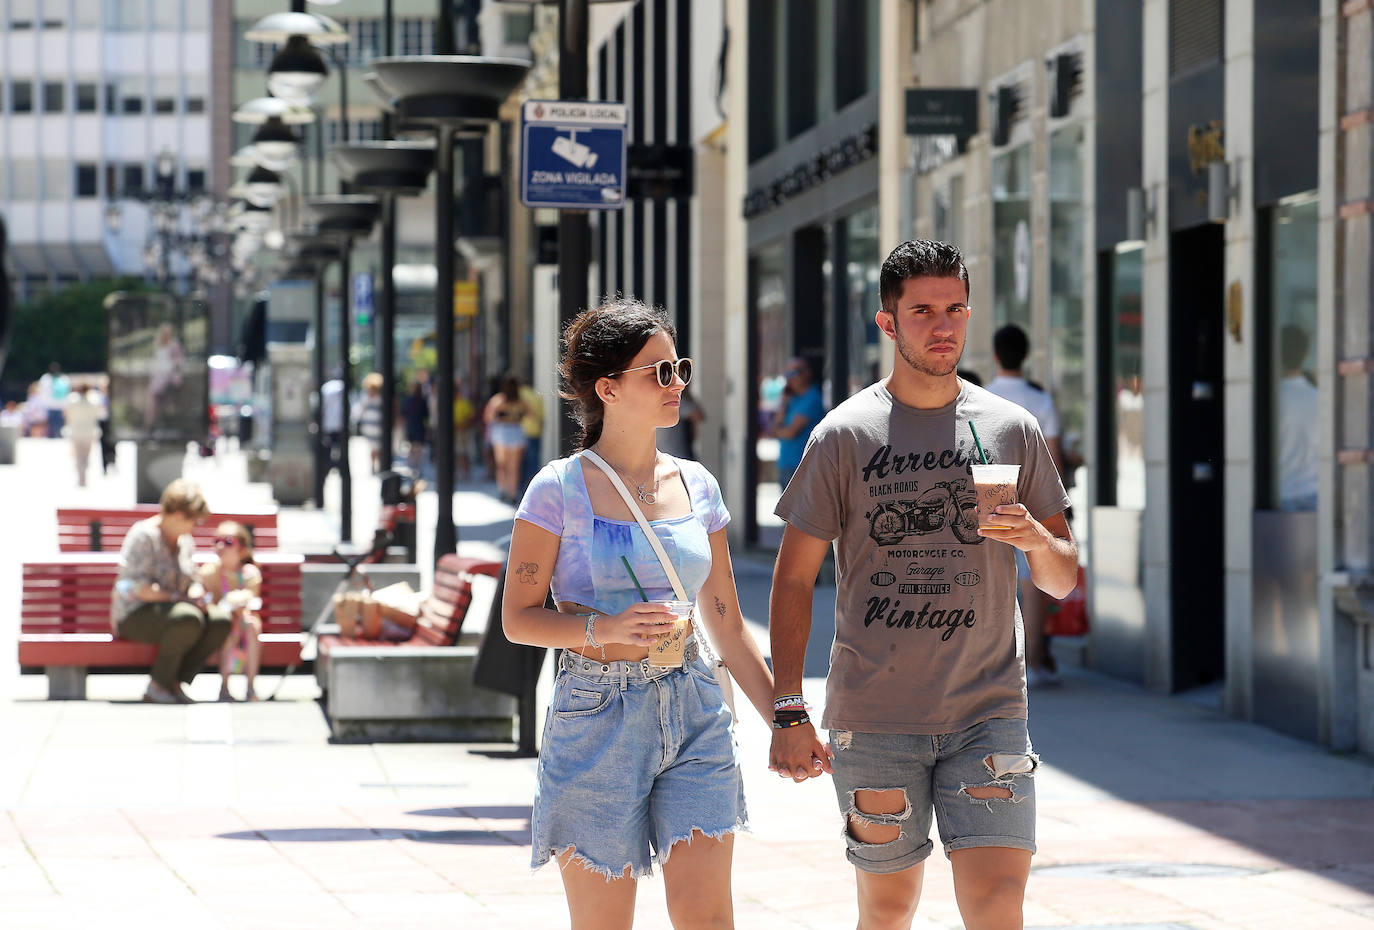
(636, 397)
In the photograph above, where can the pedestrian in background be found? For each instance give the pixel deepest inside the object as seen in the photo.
(81, 426)
(415, 414)
(507, 410)
(638, 764)
(464, 415)
(54, 387)
(332, 422)
(533, 424)
(925, 697)
(159, 599)
(99, 393)
(35, 412)
(367, 416)
(799, 410)
(1011, 346)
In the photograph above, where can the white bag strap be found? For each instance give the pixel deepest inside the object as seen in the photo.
(654, 541)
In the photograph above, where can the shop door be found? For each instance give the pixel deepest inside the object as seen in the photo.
(1197, 455)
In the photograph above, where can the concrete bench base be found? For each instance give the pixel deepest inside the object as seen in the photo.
(391, 694)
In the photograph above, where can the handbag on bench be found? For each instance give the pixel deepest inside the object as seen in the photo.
(713, 662)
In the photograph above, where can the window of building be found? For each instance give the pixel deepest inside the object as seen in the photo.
(86, 14)
(862, 264)
(1067, 375)
(111, 99)
(87, 98)
(1290, 361)
(21, 97)
(54, 97)
(24, 177)
(126, 15)
(23, 14)
(517, 27)
(197, 16)
(167, 16)
(947, 211)
(1011, 216)
(164, 105)
(195, 90)
(364, 40)
(132, 104)
(57, 179)
(417, 36)
(800, 41)
(1123, 480)
(132, 180)
(766, 114)
(855, 50)
(166, 90)
(86, 180)
(195, 179)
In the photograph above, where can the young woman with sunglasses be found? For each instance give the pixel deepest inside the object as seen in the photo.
(234, 581)
(638, 764)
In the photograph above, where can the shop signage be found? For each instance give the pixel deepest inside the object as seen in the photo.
(572, 154)
(845, 154)
(941, 111)
(658, 172)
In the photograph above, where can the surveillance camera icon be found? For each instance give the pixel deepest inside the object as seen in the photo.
(568, 149)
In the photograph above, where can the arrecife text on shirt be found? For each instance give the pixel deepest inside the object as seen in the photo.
(884, 462)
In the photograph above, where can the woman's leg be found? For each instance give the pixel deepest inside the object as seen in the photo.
(696, 878)
(212, 629)
(251, 629)
(595, 903)
(174, 631)
(81, 448)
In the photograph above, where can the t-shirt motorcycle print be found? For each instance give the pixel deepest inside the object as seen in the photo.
(927, 634)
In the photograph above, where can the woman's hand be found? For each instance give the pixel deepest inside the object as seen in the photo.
(637, 625)
(154, 593)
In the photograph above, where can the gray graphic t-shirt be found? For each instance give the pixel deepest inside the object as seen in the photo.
(927, 633)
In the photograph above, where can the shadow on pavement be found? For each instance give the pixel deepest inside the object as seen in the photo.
(365, 834)
(497, 812)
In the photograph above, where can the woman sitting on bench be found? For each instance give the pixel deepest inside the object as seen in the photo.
(157, 598)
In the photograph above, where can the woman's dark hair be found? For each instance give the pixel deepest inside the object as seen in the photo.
(510, 387)
(600, 342)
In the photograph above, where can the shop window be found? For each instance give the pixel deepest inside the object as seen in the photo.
(1123, 471)
(1067, 374)
(1290, 362)
(1011, 217)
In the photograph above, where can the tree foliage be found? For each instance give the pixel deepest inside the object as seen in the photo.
(67, 327)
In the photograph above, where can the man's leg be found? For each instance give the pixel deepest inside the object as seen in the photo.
(990, 885)
(887, 901)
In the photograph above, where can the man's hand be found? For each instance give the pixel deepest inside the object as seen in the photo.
(798, 754)
(1021, 529)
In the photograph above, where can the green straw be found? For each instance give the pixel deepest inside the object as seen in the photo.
(974, 430)
(642, 596)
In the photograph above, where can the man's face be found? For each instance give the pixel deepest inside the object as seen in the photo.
(929, 324)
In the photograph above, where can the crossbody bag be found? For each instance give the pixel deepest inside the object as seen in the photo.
(715, 663)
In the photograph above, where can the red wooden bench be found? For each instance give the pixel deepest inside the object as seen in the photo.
(84, 529)
(441, 616)
(64, 627)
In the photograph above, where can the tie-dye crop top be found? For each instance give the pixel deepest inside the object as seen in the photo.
(589, 570)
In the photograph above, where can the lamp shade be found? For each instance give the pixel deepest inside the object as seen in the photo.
(274, 145)
(277, 28)
(297, 72)
(263, 187)
(451, 90)
(260, 109)
(396, 167)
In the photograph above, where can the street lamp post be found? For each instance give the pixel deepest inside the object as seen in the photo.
(424, 88)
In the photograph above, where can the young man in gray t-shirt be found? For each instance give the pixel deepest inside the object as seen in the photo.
(926, 696)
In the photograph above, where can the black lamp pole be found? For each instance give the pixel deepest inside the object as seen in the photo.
(345, 320)
(386, 322)
(574, 230)
(445, 533)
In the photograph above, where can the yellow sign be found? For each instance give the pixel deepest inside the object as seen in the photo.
(464, 298)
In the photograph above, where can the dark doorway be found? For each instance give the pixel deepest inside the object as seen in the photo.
(1197, 455)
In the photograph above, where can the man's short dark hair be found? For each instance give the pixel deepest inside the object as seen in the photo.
(1011, 347)
(918, 258)
(1293, 344)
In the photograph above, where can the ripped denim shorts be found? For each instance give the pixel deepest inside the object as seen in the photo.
(933, 773)
(634, 759)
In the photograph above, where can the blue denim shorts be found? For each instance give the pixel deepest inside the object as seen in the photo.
(634, 759)
(932, 772)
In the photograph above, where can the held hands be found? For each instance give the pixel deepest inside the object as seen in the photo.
(797, 753)
(1022, 530)
(637, 625)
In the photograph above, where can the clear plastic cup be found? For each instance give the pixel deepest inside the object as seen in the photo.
(667, 649)
(995, 485)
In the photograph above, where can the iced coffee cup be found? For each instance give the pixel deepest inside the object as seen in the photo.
(995, 485)
(667, 649)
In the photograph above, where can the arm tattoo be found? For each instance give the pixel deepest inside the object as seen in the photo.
(526, 572)
(720, 606)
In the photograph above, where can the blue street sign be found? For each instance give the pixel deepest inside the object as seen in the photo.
(572, 154)
(362, 297)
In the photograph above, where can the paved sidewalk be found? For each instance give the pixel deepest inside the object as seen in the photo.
(1154, 811)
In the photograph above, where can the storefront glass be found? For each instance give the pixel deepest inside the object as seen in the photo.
(861, 291)
(1128, 410)
(1011, 206)
(1293, 411)
(1066, 292)
(772, 349)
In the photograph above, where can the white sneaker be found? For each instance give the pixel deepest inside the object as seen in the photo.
(156, 694)
(1037, 678)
